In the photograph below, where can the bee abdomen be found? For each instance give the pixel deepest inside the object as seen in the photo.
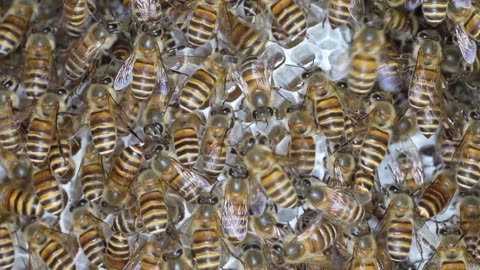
(399, 239)
(290, 17)
(206, 249)
(104, 132)
(279, 187)
(196, 91)
(11, 31)
(48, 192)
(330, 118)
(434, 11)
(338, 13)
(363, 73)
(373, 149)
(39, 140)
(153, 211)
(187, 146)
(93, 246)
(92, 182)
(201, 26)
(144, 79)
(19, 202)
(468, 169)
(7, 250)
(56, 257)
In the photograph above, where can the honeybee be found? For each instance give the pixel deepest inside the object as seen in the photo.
(341, 167)
(76, 16)
(90, 178)
(177, 259)
(451, 252)
(128, 221)
(301, 148)
(365, 53)
(253, 77)
(252, 256)
(48, 191)
(366, 254)
(15, 24)
(266, 168)
(437, 195)
(340, 12)
(248, 40)
(214, 149)
(185, 131)
(16, 168)
(20, 202)
(117, 251)
(121, 49)
(53, 248)
(11, 137)
(469, 213)
(124, 170)
(42, 128)
(434, 11)
(8, 240)
(267, 227)
(400, 22)
(185, 182)
(234, 216)
(82, 55)
(147, 256)
(336, 204)
(144, 70)
(89, 231)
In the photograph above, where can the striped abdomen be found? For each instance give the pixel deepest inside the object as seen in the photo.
(144, 78)
(56, 257)
(201, 26)
(436, 197)
(103, 131)
(234, 217)
(347, 209)
(214, 156)
(396, 20)
(468, 168)
(153, 212)
(39, 140)
(290, 17)
(60, 158)
(92, 179)
(187, 146)
(278, 186)
(434, 11)
(429, 120)
(12, 30)
(117, 251)
(7, 250)
(127, 221)
(10, 136)
(184, 187)
(301, 151)
(247, 40)
(93, 246)
(76, 15)
(363, 72)
(452, 264)
(18, 202)
(364, 183)
(253, 72)
(36, 74)
(77, 63)
(399, 239)
(206, 249)
(448, 147)
(131, 110)
(196, 91)
(321, 238)
(423, 87)
(338, 12)
(125, 168)
(329, 117)
(373, 149)
(48, 191)
(472, 26)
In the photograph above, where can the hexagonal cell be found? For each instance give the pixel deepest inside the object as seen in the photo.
(304, 54)
(340, 62)
(315, 15)
(288, 77)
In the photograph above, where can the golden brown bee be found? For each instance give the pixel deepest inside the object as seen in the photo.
(253, 78)
(437, 196)
(340, 12)
(15, 24)
(52, 247)
(117, 251)
(234, 216)
(37, 74)
(434, 11)
(469, 212)
(48, 191)
(124, 170)
(91, 176)
(147, 256)
(8, 241)
(88, 230)
(336, 204)
(60, 156)
(367, 255)
(83, 53)
(472, 24)
(214, 148)
(121, 49)
(128, 221)
(144, 70)
(398, 21)
(184, 181)
(41, 131)
(365, 52)
(289, 19)
(265, 167)
(76, 16)
(301, 148)
(17, 201)
(247, 39)
(11, 138)
(185, 132)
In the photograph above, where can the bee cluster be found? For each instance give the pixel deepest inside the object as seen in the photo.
(239, 134)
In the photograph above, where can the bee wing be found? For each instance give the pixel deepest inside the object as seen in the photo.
(410, 150)
(471, 262)
(235, 214)
(194, 178)
(237, 77)
(457, 156)
(92, 50)
(222, 16)
(162, 78)
(125, 76)
(257, 200)
(386, 81)
(357, 10)
(467, 47)
(462, 3)
(145, 7)
(380, 230)
(215, 148)
(341, 67)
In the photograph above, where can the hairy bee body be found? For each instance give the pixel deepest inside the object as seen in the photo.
(201, 26)
(185, 135)
(196, 90)
(92, 176)
(15, 25)
(339, 12)
(290, 18)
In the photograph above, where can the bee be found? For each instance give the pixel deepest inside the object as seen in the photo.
(469, 213)
(117, 251)
(253, 77)
(471, 25)
(252, 256)
(177, 259)
(147, 11)
(247, 39)
(83, 53)
(11, 137)
(336, 204)
(91, 176)
(451, 252)
(341, 167)
(185, 131)
(437, 195)
(366, 254)
(124, 170)
(50, 246)
(17, 201)
(41, 131)
(60, 155)
(37, 74)
(88, 230)
(203, 85)
(121, 49)
(399, 21)
(265, 167)
(234, 216)
(214, 149)
(152, 207)
(154, 116)
(267, 227)
(185, 182)
(377, 137)
(128, 221)
(147, 256)
(131, 107)
(16, 169)
(340, 12)
(366, 48)
(307, 245)
(301, 148)
(15, 24)
(144, 70)
(48, 191)
(8, 241)
(76, 15)
(434, 11)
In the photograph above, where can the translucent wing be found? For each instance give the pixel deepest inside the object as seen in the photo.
(125, 76)
(92, 50)
(467, 47)
(257, 200)
(405, 162)
(386, 81)
(145, 7)
(214, 149)
(194, 178)
(341, 67)
(462, 3)
(237, 77)
(357, 10)
(235, 215)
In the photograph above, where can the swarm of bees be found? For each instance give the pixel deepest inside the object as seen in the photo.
(153, 134)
